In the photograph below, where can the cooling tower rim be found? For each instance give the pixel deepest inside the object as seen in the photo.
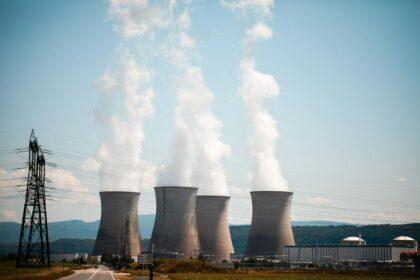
(213, 195)
(119, 192)
(289, 192)
(176, 187)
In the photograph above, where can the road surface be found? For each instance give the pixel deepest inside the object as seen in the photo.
(100, 273)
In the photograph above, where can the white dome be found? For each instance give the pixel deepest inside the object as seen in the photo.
(403, 238)
(353, 238)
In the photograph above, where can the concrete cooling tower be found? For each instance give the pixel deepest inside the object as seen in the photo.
(119, 229)
(213, 227)
(270, 229)
(175, 229)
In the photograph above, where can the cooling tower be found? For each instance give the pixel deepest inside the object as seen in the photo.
(270, 229)
(119, 229)
(213, 227)
(175, 229)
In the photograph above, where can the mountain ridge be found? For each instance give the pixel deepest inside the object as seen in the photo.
(9, 231)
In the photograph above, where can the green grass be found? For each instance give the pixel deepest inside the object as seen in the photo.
(8, 271)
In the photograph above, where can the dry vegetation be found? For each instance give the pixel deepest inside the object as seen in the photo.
(9, 272)
(197, 270)
(285, 276)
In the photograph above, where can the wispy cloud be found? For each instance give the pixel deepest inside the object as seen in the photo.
(258, 7)
(319, 201)
(135, 18)
(8, 215)
(68, 187)
(259, 32)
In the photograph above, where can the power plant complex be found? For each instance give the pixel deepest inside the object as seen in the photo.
(188, 225)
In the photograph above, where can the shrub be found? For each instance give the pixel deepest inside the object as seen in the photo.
(184, 266)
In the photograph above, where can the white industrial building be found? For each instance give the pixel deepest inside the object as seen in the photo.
(337, 254)
(67, 257)
(404, 241)
(353, 241)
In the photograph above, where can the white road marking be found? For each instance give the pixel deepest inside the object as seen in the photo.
(96, 271)
(112, 273)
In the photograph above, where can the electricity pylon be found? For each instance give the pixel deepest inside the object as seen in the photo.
(34, 248)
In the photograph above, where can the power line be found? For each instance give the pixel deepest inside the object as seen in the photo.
(144, 168)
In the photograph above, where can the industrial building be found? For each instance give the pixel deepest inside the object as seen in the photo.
(118, 232)
(353, 241)
(337, 254)
(270, 229)
(175, 230)
(404, 241)
(213, 227)
(67, 257)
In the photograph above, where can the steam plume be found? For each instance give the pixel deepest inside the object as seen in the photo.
(255, 88)
(197, 150)
(119, 156)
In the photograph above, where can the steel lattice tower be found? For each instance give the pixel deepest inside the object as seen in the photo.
(34, 246)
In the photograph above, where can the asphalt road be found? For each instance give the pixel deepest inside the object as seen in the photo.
(100, 273)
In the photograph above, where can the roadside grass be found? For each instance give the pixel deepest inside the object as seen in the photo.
(8, 271)
(199, 270)
(287, 276)
(184, 266)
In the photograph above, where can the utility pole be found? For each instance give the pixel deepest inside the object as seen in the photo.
(34, 248)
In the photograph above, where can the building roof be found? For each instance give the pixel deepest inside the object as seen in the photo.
(353, 238)
(403, 238)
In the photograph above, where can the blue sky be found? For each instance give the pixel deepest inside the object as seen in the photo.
(348, 114)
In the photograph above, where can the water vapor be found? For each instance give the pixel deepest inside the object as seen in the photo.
(127, 99)
(255, 88)
(197, 149)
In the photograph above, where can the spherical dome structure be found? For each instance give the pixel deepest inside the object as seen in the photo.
(403, 241)
(353, 241)
(403, 238)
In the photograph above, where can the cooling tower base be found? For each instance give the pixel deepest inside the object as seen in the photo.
(270, 229)
(118, 232)
(175, 231)
(213, 227)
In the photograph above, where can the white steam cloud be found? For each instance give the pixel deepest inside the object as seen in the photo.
(119, 156)
(255, 88)
(197, 150)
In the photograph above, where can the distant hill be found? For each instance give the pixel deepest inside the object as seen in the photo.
(304, 235)
(317, 223)
(9, 231)
(63, 246)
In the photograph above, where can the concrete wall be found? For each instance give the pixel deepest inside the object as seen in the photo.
(117, 207)
(175, 230)
(270, 229)
(213, 227)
